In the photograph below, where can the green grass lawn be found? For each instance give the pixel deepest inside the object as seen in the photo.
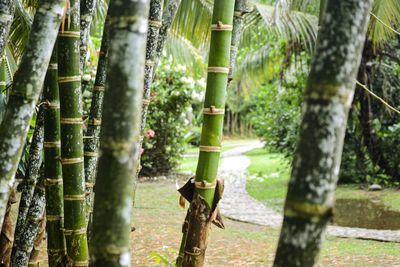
(269, 176)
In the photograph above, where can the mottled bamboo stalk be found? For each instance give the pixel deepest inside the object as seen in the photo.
(120, 134)
(56, 249)
(34, 260)
(69, 82)
(7, 8)
(94, 123)
(28, 82)
(24, 245)
(204, 203)
(328, 96)
(27, 185)
(87, 12)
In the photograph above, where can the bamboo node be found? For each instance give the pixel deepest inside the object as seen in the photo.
(89, 185)
(98, 88)
(214, 111)
(50, 181)
(210, 148)
(52, 144)
(74, 197)
(146, 102)
(71, 120)
(54, 218)
(222, 70)
(67, 79)
(80, 231)
(220, 27)
(234, 48)
(206, 185)
(70, 34)
(53, 66)
(90, 154)
(52, 105)
(150, 63)
(155, 23)
(196, 251)
(71, 161)
(80, 263)
(94, 122)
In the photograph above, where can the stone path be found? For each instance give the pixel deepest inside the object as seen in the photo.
(238, 205)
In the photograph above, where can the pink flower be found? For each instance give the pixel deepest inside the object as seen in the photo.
(150, 134)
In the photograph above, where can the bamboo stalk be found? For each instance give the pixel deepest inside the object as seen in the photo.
(27, 86)
(88, 8)
(56, 249)
(27, 185)
(7, 8)
(120, 131)
(34, 259)
(203, 204)
(91, 142)
(24, 245)
(328, 96)
(69, 82)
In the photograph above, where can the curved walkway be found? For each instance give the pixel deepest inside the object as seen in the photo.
(238, 205)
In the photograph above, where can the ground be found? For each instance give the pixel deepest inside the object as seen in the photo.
(158, 229)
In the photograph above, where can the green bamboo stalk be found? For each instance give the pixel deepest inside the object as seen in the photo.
(93, 129)
(69, 81)
(27, 185)
(87, 11)
(24, 245)
(328, 97)
(203, 203)
(7, 8)
(56, 249)
(120, 134)
(24, 95)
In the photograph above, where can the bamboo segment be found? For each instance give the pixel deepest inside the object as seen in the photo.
(28, 82)
(56, 249)
(72, 137)
(328, 95)
(93, 130)
(7, 8)
(203, 203)
(87, 11)
(120, 134)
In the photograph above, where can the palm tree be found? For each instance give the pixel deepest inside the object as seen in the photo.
(328, 96)
(25, 93)
(69, 80)
(120, 134)
(207, 190)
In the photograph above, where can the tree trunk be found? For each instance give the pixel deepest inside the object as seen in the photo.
(7, 233)
(203, 205)
(28, 82)
(24, 245)
(56, 249)
(94, 124)
(87, 12)
(7, 8)
(120, 134)
(328, 97)
(69, 81)
(27, 185)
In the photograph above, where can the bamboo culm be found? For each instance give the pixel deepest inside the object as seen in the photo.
(7, 8)
(56, 249)
(69, 82)
(120, 134)
(328, 96)
(94, 123)
(27, 185)
(24, 245)
(88, 8)
(34, 258)
(28, 82)
(204, 204)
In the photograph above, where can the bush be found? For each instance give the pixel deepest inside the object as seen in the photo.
(167, 130)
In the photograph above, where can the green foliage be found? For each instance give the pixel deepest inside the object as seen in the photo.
(276, 114)
(168, 119)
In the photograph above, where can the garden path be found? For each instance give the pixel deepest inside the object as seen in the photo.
(238, 205)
